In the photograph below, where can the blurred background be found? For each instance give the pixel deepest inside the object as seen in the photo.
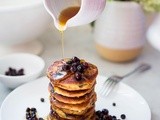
(26, 26)
(125, 35)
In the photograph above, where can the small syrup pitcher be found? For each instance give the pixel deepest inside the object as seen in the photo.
(69, 13)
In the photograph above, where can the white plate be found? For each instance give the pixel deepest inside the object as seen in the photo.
(127, 100)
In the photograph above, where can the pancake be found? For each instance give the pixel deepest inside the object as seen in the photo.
(76, 107)
(71, 100)
(67, 80)
(66, 93)
(71, 84)
(89, 114)
(93, 117)
(54, 118)
(68, 111)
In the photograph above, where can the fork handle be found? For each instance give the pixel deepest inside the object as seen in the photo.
(141, 68)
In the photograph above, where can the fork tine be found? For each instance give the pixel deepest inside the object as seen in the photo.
(110, 88)
(106, 80)
(105, 86)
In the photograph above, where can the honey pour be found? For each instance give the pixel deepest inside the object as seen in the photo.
(64, 16)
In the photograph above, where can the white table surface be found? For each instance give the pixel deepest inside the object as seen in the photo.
(79, 42)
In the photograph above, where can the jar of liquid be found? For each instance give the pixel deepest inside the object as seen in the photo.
(75, 12)
(120, 31)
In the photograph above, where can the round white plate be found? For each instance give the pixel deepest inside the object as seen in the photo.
(127, 100)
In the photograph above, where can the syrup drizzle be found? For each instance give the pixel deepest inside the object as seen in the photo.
(64, 16)
(62, 43)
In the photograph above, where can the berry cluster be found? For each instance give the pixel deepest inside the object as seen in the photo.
(14, 72)
(76, 66)
(104, 115)
(31, 114)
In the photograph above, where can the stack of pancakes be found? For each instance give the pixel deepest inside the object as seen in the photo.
(72, 99)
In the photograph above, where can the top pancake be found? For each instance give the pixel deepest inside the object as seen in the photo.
(67, 80)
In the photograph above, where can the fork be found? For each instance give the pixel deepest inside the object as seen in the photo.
(112, 81)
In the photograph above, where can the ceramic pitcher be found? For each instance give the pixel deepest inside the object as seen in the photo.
(89, 10)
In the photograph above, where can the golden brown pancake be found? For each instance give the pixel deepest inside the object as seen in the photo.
(72, 93)
(68, 80)
(93, 117)
(76, 107)
(54, 118)
(71, 100)
(89, 114)
(71, 84)
(68, 111)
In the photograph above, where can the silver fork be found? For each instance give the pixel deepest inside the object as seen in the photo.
(112, 81)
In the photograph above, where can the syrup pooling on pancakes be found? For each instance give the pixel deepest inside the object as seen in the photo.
(79, 75)
(55, 70)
